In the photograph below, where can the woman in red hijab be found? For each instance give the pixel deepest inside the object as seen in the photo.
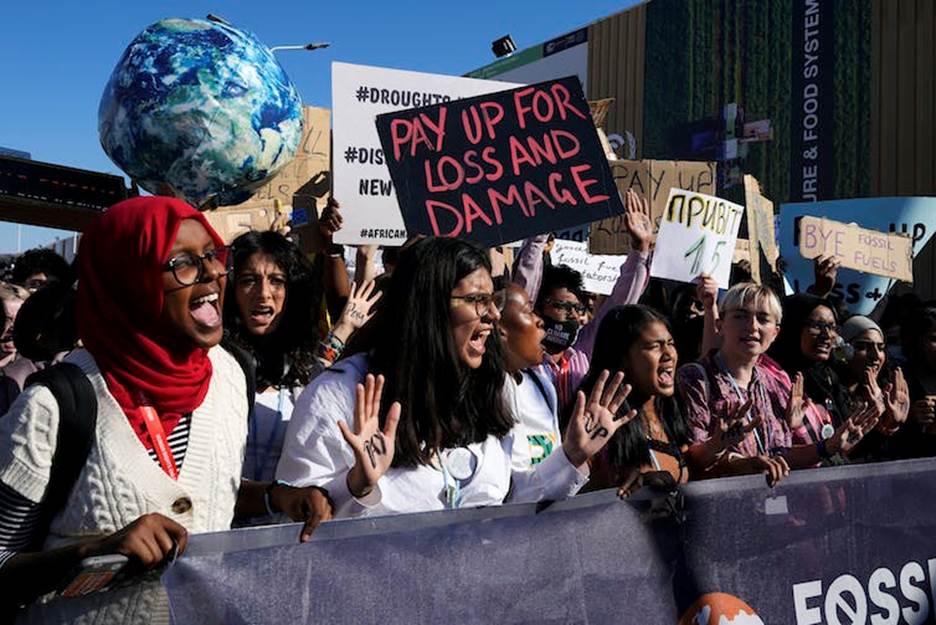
(172, 410)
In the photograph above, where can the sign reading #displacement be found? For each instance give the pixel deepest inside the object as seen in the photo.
(500, 167)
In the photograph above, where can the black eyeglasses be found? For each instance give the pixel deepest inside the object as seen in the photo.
(818, 327)
(568, 307)
(482, 301)
(189, 269)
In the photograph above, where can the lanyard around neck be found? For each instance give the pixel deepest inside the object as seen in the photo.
(458, 466)
(160, 443)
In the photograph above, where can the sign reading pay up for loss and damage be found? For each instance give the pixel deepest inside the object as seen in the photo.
(500, 167)
(697, 235)
(361, 181)
(870, 251)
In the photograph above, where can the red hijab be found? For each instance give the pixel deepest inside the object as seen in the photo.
(119, 308)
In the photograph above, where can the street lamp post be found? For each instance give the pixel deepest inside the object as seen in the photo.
(309, 46)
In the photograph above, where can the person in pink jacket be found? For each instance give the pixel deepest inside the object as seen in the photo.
(558, 294)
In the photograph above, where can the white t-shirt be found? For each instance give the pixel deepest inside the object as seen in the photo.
(315, 453)
(536, 434)
(272, 411)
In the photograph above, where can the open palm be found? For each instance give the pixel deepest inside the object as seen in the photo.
(595, 421)
(373, 447)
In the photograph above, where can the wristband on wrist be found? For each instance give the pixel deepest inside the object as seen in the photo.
(334, 341)
(330, 348)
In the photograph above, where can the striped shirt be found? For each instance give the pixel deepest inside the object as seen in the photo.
(20, 517)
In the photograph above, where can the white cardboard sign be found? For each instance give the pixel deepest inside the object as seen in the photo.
(361, 181)
(599, 271)
(697, 235)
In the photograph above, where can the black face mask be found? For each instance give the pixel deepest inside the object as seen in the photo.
(560, 335)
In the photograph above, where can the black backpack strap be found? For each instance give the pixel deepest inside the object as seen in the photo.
(77, 404)
(249, 365)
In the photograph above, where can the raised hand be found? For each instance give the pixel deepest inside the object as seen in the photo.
(373, 447)
(357, 311)
(594, 421)
(281, 223)
(896, 404)
(796, 408)
(850, 433)
(331, 221)
(638, 222)
(872, 393)
(825, 269)
(706, 290)
(735, 426)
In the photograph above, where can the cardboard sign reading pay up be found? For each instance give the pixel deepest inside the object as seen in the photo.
(870, 251)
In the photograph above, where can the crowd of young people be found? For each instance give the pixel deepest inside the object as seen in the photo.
(249, 384)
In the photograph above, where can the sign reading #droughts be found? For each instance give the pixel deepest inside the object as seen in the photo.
(359, 176)
(500, 167)
(697, 235)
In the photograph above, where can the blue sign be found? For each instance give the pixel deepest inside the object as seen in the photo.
(861, 292)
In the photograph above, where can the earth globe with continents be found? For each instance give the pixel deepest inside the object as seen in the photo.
(200, 110)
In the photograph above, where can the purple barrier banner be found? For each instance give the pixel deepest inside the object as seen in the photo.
(840, 546)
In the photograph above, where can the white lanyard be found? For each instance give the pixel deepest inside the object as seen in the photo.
(460, 467)
(742, 399)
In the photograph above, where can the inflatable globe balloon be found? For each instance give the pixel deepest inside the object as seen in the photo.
(199, 110)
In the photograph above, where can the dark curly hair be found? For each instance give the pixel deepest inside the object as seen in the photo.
(556, 277)
(286, 356)
(41, 260)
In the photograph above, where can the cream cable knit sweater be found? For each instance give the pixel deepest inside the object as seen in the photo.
(120, 482)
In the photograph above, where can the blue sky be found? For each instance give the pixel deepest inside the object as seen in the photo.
(56, 57)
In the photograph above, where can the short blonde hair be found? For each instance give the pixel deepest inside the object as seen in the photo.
(743, 293)
(9, 291)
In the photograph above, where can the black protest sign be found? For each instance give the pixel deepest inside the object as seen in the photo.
(500, 167)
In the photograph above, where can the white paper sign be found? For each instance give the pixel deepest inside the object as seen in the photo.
(697, 235)
(599, 271)
(361, 181)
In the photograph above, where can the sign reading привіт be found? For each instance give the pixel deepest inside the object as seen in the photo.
(697, 235)
(360, 179)
(500, 167)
